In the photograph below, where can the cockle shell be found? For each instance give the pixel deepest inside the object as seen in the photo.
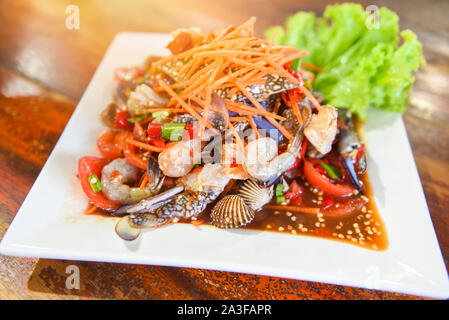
(254, 195)
(231, 212)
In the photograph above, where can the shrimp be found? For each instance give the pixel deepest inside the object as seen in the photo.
(116, 176)
(144, 96)
(179, 159)
(262, 162)
(113, 178)
(322, 129)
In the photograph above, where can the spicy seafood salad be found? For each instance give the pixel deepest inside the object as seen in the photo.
(228, 131)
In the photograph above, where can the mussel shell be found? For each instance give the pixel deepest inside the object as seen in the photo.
(255, 196)
(231, 212)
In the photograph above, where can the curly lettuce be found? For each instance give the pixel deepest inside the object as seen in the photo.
(363, 66)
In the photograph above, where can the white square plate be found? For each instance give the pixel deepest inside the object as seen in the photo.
(50, 224)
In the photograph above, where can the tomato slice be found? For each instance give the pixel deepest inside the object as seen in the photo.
(133, 157)
(93, 165)
(344, 209)
(110, 144)
(316, 179)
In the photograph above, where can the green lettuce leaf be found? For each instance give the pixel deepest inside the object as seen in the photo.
(363, 66)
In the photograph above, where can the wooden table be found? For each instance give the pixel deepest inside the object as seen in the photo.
(45, 68)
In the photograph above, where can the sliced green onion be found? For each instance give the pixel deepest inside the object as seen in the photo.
(332, 171)
(139, 118)
(178, 90)
(280, 199)
(161, 114)
(279, 190)
(172, 131)
(95, 183)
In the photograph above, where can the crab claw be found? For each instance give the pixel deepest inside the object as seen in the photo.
(349, 167)
(149, 204)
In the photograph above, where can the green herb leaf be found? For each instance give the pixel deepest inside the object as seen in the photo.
(95, 183)
(139, 118)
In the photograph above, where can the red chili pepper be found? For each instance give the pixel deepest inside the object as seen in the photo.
(154, 130)
(158, 142)
(285, 98)
(328, 201)
(121, 120)
(296, 200)
(191, 131)
(295, 187)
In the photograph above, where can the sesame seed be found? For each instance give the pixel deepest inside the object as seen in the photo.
(281, 228)
(363, 209)
(349, 232)
(289, 214)
(268, 226)
(289, 227)
(294, 231)
(341, 236)
(317, 224)
(300, 226)
(323, 225)
(293, 218)
(337, 205)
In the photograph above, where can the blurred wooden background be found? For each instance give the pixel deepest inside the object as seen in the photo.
(45, 68)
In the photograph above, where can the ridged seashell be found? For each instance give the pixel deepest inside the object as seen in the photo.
(254, 195)
(231, 212)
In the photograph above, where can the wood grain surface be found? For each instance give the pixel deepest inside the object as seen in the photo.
(45, 68)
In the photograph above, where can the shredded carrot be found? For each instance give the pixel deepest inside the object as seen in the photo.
(311, 66)
(293, 56)
(259, 106)
(90, 209)
(237, 119)
(236, 135)
(144, 146)
(295, 107)
(144, 182)
(293, 208)
(253, 126)
(232, 60)
(311, 97)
